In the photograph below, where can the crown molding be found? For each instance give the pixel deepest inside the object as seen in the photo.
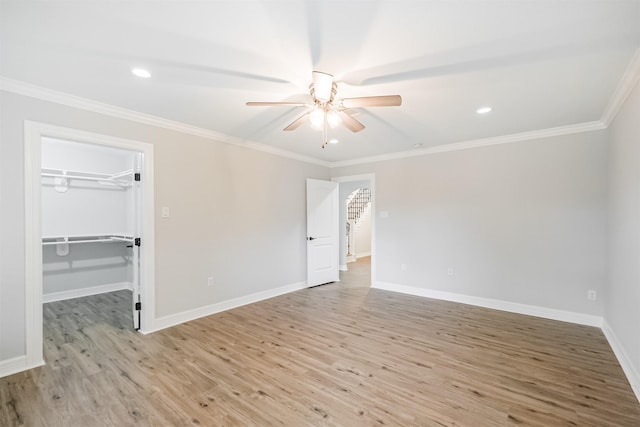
(50, 95)
(45, 94)
(628, 81)
(516, 137)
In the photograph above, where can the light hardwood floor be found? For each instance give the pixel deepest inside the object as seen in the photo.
(340, 354)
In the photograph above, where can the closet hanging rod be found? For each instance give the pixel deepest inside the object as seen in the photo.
(85, 178)
(122, 239)
(121, 174)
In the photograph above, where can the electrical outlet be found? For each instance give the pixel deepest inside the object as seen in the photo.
(591, 295)
(403, 267)
(166, 213)
(210, 281)
(450, 271)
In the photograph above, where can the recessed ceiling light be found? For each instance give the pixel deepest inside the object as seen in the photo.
(141, 72)
(483, 110)
(333, 141)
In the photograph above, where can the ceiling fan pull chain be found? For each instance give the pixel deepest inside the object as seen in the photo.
(324, 131)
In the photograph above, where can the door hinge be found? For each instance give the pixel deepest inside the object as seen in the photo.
(136, 176)
(138, 306)
(137, 241)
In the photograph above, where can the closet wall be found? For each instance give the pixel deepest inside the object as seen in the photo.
(87, 209)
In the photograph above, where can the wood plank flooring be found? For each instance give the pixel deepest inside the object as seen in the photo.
(334, 355)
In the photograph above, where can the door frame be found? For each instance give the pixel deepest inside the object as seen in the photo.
(371, 177)
(33, 134)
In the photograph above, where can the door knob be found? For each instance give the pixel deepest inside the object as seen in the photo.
(311, 238)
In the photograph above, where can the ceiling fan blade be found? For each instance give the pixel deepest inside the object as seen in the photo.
(352, 124)
(297, 122)
(373, 101)
(275, 104)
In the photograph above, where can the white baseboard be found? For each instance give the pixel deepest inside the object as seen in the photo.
(627, 366)
(12, 366)
(363, 254)
(85, 292)
(530, 310)
(185, 316)
(343, 267)
(15, 365)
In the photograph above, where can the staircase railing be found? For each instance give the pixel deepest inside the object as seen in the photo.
(358, 204)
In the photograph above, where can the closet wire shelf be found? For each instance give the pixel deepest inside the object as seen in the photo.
(109, 238)
(120, 179)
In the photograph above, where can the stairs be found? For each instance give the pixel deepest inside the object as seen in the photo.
(359, 202)
(358, 205)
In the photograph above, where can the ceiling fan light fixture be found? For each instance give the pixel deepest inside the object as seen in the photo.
(333, 118)
(316, 118)
(326, 111)
(322, 85)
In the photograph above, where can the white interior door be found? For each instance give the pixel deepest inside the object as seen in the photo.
(322, 232)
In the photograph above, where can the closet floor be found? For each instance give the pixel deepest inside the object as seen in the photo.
(332, 355)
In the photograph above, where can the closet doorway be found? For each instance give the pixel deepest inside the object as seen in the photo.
(90, 222)
(89, 227)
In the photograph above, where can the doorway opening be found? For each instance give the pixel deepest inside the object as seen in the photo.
(357, 225)
(90, 229)
(90, 242)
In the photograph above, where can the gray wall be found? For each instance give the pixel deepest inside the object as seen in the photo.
(236, 214)
(622, 309)
(86, 266)
(522, 222)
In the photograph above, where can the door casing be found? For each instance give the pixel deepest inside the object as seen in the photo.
(33, 134)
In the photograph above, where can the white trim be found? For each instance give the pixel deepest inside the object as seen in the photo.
(45, 94)
(505, 139)
(363, 254)
(17, 364)
(529, 310)
(628, 81)
(353, 178)
(85, 292)
(33, 245)
(196, 313)
(33, 134)
(343, 267)
(627, 366)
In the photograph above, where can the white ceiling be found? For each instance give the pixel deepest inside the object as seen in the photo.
(538, 64)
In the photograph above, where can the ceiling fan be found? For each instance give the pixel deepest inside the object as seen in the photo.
(327, 110)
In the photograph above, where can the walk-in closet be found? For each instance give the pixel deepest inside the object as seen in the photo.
(90, 226)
